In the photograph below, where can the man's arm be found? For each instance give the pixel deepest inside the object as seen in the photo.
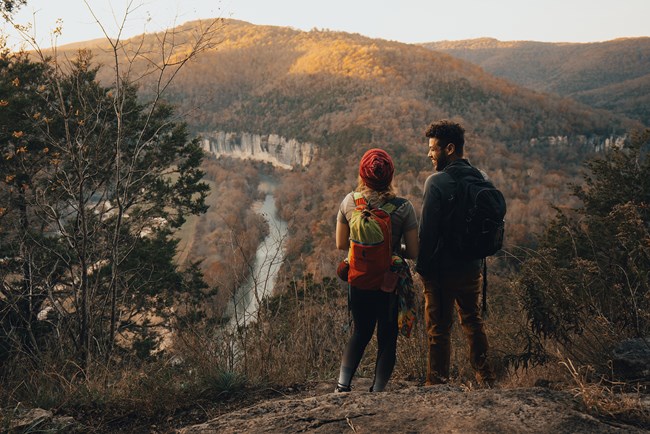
(429, 227)
(411, 241)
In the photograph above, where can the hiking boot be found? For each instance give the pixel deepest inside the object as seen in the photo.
(340, 388)
(486, 382)
(485, 385)
(435, 380)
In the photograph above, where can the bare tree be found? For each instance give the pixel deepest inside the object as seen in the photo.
(9, 6)
(119, 177)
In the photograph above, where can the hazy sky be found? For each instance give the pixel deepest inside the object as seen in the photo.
(401, 20)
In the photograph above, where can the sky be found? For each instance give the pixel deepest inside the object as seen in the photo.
(409, 21)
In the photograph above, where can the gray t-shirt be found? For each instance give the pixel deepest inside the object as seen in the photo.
(402, 219)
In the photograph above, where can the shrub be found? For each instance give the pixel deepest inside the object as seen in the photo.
(588, 286)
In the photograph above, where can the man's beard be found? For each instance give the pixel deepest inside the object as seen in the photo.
(441, 163)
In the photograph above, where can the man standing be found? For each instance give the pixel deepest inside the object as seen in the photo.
(448, 279)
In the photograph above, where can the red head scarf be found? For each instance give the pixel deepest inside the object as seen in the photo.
(376, 169)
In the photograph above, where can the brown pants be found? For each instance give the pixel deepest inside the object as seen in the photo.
(440, 295)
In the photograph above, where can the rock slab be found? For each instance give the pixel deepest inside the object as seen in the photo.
(631, 360)
(433, 409)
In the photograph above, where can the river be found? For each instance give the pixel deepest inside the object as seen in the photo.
(242, 310)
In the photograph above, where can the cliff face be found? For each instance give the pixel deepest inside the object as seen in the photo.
(271, 148)
(593, 143)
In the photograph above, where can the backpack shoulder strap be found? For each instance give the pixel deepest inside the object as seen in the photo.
(389, 206)
(393, 204)
(359, 199)
(459, 173)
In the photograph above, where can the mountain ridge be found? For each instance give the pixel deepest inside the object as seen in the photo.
(584, 72)
(346, 93)
(270, 79)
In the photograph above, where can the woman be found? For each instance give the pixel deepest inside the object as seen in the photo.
(372, 307)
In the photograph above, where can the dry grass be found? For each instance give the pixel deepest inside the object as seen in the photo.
(609, 399)
(298, 338)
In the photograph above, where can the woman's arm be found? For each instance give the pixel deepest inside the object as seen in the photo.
(342, 236)
(412, 244)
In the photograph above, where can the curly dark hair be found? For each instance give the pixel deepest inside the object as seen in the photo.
(447, 132)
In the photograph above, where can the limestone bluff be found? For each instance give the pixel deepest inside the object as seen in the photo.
(271, 148)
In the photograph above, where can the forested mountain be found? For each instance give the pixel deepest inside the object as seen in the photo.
(614, 75)
(347, 93)
(310, 85)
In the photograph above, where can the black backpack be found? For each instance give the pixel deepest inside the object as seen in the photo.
(476, 226)
(476, 223)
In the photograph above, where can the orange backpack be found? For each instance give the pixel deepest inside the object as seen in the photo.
(370, 243)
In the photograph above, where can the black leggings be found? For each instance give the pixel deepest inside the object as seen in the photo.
(370, 308)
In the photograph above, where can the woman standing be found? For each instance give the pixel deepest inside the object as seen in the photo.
(373, 306)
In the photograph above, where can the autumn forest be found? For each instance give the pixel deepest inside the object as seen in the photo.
(123, 241)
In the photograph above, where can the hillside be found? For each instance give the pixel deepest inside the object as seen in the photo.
(613, 75)
(311, 85)
(347, 93)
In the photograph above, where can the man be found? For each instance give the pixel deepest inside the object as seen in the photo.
(448, 280)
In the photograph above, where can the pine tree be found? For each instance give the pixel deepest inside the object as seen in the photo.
(96, 183)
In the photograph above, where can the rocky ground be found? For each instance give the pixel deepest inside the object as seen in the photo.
(416, 409)
(404, 408)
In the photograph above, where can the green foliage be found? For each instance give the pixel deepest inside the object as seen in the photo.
(588, 285)
(94, 185)
(144, 346)
(220, 382)
(619, 178)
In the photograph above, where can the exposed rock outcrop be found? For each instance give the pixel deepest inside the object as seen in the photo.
(631, 360)
(23, 420)
(271, 148)
(413, 409)
(592, 143)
